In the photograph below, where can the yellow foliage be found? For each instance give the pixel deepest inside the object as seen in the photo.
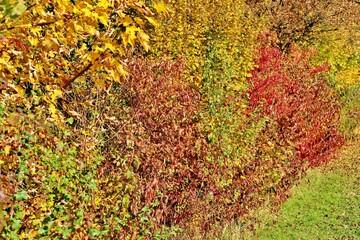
(55, 43)
(192, 27)
(51, 35)
(7, 150)
(160, 8)
(341, 50)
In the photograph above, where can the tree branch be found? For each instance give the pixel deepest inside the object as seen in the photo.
(66, 83)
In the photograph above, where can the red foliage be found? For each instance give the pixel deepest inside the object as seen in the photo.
(293, 93)
(8, 43)
(160, 137)
(165, 135)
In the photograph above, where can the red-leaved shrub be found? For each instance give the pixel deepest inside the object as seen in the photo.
(289, 90)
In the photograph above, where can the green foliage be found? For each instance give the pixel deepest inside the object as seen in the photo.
(12, 9)
(44, 176)
(339, 48)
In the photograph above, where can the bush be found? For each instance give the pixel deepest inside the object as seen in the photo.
(295, 95)
(153, 148)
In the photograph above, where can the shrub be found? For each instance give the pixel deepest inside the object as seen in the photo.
(153, 148)
(293, 93)
(48, 174)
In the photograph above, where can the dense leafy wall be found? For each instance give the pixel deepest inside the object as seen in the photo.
(141, 120)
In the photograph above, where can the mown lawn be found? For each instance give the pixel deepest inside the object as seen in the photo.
(324, 205)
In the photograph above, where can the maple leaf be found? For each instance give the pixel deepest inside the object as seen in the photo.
(129, 35)
(144, 40)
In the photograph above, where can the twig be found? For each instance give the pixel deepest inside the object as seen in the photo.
(68, 82)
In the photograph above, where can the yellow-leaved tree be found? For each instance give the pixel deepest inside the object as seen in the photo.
(47, 45)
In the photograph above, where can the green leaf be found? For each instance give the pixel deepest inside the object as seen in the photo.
(21, 195)
(42, 231)
(65, 233)
(16, 224)
(80, 213)
(18, 9)
(70, 120)
(94, 232)
(144, 219)
(2, 111)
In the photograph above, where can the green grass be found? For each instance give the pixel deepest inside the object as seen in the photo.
(325, 204)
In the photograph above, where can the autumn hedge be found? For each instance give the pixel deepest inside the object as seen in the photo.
(155, 120)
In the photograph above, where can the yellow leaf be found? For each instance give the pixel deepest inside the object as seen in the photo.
(110, 47)
(100, 83)
(99, 49)
(52, 109)
(129, 35)
(97, 200)
(93, 56)
(33, 41)
(91, 30)
(5, 58)
(28, 25)
(54, 113)
(114, 76)
(121, 70)
(160, 7)
(83, 47)
(35, 30)
(86, 12)
(49, 42)
(126, 21)
(20, 90)
(78, 27)
(152, 21)
(103, 3)
(104, 19)
(51, 54)
(57, 93)
(39, 69)
(3, 61)
(81, 79)
(39, 9)
(7, 149)
(144, 40)
(140, 22)
(36, 222)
